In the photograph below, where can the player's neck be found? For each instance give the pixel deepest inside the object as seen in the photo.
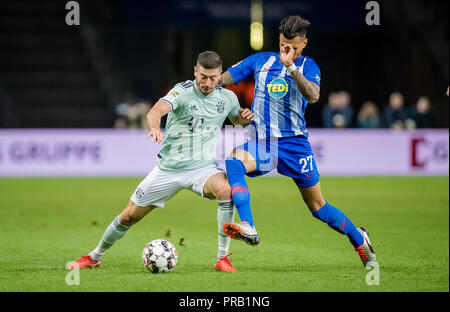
(299, 57)
(200, 92)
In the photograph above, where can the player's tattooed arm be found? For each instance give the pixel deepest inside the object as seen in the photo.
(153, 119)
(226, 79)
(308, 88)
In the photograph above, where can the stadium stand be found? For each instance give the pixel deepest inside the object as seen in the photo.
(47, 70)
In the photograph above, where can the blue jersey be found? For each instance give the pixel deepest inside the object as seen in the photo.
(278, 105)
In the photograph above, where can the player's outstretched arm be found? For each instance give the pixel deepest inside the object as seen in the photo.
(153, 118)
(244, 117)
(226, 79)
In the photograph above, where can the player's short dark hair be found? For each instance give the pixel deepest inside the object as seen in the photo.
(293, 26)
(209, 60)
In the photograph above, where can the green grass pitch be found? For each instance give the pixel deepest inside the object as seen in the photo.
(46, 222)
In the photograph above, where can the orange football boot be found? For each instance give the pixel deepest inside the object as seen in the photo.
(224, 264)
(242, 231)
(85, 262)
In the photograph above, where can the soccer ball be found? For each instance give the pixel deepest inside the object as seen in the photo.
(159, 256)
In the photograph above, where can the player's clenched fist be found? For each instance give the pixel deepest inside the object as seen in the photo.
(246, 114)
(157, 135)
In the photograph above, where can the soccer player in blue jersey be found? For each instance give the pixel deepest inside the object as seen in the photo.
(285, 83)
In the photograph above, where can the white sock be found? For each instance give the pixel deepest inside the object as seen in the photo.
(113, 233)
(225, 213)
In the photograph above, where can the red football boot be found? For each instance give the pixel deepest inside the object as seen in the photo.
(224, 264)
(85, 262)
(242, 231)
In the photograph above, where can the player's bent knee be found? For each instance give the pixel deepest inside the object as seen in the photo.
(245, 157)
(314, 205)
(133, 214)
(224, 192)
(126, 219)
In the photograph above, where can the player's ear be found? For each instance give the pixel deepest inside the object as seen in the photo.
(305, 42)
(196, 72)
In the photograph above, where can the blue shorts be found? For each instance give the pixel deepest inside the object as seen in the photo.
(292, 156)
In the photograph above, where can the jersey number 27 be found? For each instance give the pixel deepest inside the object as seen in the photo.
(304, 163)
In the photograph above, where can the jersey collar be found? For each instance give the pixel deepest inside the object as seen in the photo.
(198, 93)
(299, 61)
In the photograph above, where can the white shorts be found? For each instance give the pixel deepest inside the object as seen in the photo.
(160, 185)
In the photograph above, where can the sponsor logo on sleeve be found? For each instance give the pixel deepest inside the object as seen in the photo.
(317, 78)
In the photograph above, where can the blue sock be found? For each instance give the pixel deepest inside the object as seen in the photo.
(239, 189)
(339, 222)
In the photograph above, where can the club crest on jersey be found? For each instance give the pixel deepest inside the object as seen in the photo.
(220, 107)
(278, 88)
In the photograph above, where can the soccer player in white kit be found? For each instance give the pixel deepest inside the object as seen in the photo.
(187, 160)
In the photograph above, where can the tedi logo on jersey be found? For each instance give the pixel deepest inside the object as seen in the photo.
(278, 88)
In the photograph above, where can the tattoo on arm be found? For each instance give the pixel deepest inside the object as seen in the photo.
(309, 89)
(226, 79)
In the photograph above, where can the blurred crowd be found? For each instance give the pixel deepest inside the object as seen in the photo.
(131, 112)
(338, 112)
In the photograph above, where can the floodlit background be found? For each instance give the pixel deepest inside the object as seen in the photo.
(130, 51)
(109, 70)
